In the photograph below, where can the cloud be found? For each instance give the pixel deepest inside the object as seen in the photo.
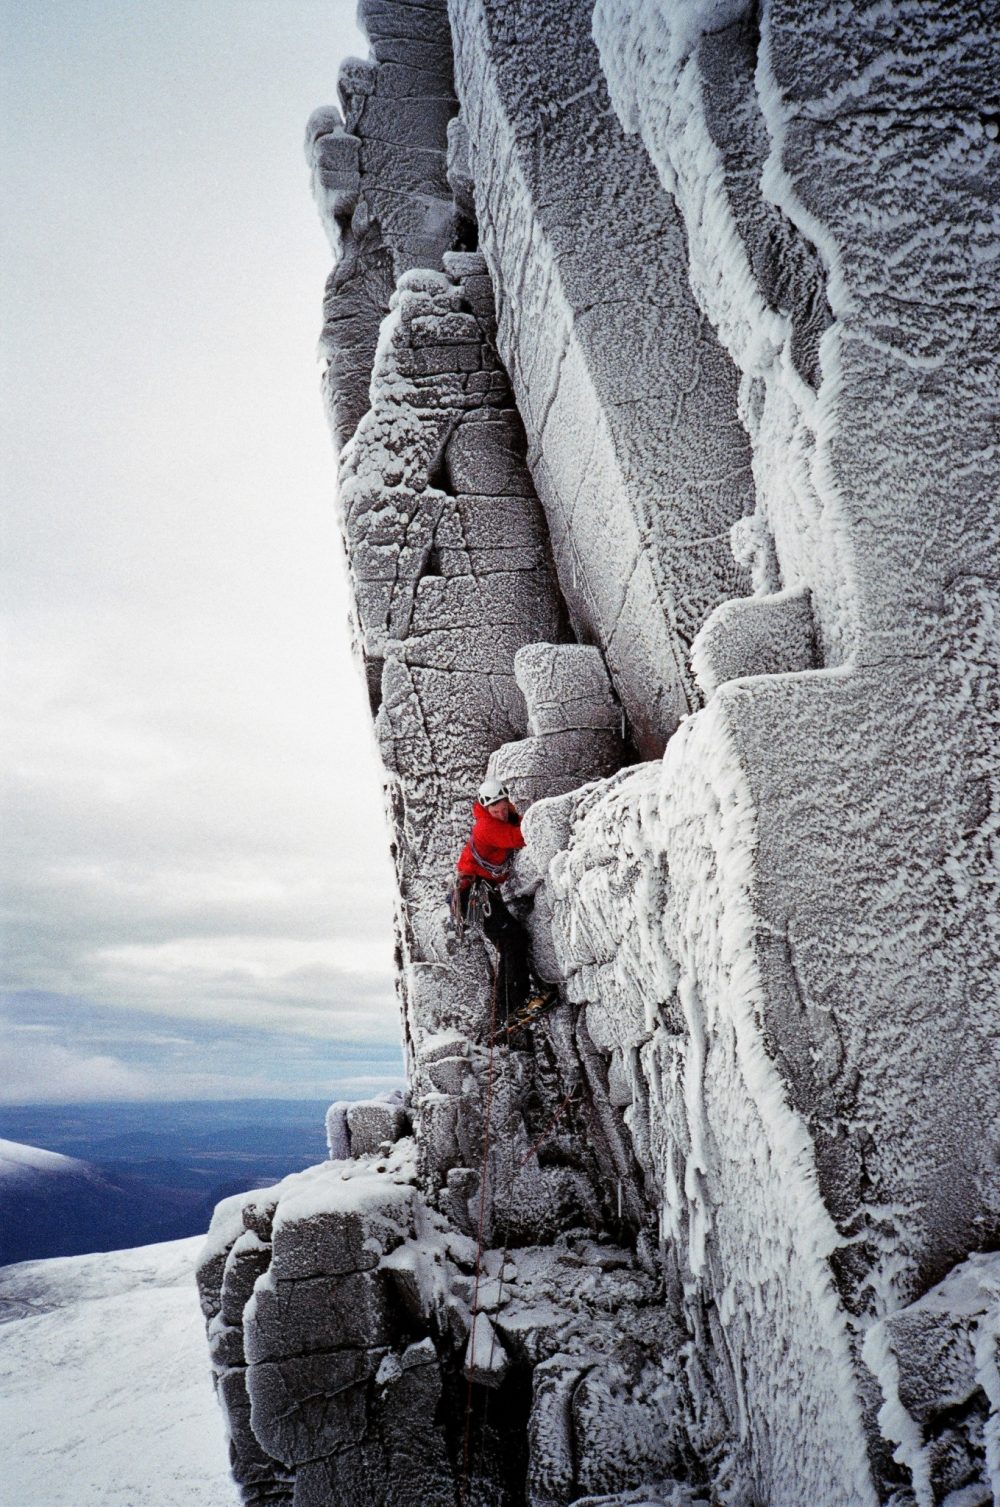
(191, 803)
(103, 1053)
(334, 989)
(45, 1072)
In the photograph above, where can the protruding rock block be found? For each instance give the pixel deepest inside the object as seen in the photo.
(756, 636)
(261, 1477)
(371, 1122)
(338, 1137)
(339, 1224)
(486, 1361)
(305, 1314)
(574, 722)
(486, 457)
(248, 1259)
(566, 689)
(937, 1366)
(555, 763)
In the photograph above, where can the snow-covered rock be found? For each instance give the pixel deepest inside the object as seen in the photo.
(380, 181)
(679, 444)
(627, 396)
(936, 1361)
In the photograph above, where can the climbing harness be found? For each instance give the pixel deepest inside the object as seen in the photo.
(497, 871)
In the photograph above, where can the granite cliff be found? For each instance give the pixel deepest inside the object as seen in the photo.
(661, 360)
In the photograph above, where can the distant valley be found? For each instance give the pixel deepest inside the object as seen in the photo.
(134, 1174)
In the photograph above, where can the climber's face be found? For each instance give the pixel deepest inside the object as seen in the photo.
(500, 809)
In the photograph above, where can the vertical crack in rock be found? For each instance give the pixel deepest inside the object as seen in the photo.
(628, 398)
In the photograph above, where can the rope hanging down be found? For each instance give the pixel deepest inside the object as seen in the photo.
(570, 1098)
(484, 1163)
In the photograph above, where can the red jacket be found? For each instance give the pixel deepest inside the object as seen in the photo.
(494, 841)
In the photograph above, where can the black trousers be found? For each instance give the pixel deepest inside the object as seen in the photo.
(513, 975)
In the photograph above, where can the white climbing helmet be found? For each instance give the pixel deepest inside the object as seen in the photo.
(492, 790)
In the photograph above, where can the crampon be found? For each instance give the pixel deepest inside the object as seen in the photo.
(539, 1004)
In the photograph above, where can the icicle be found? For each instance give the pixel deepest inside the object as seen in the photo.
(619, 1200)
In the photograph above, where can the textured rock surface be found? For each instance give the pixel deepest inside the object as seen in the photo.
(627, 396)
(936, 1362)
(883, 509)
(716, 1228)
(379, 172)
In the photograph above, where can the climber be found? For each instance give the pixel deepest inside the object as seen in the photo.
(483, 866)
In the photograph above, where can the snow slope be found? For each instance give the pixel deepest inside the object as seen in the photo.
(87, 1420)
(19, 1163)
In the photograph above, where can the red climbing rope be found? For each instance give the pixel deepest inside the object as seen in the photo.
(484, 1167)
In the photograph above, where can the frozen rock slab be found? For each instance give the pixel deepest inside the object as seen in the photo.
(936, 1364)
(331, 1224)
(311, 1405)
(566, 688)
(756, 636)
(628, 399)
(654, 930)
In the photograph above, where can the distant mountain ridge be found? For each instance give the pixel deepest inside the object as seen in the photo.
(135, 1174)
(20, 1163)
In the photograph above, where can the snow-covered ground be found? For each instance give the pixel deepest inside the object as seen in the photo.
(19, 1162)
(105, 1394)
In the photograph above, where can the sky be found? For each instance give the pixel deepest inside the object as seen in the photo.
(195, 851)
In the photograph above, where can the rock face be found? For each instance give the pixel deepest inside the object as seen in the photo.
(660, 342)
(628, 397)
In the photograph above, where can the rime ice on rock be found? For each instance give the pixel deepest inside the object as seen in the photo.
(937, 1365)
(627, 396)
(379, 173)
(714, 1230)
(574, 723)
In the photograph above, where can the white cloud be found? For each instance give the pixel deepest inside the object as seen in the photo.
(336, 990)
(47, 1073)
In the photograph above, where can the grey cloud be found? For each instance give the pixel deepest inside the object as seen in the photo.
(88, 1051)
(193, 819)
